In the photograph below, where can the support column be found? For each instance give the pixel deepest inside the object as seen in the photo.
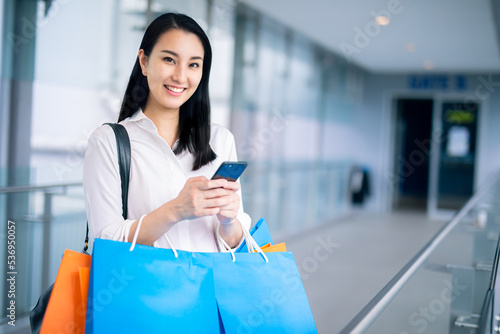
(16, 94)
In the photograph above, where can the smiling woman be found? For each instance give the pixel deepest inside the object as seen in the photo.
(173, 71)
(167, 39)
(175, 149)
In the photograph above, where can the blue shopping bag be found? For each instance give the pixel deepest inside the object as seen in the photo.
(255, 296)
(260, 233)
(149, 290)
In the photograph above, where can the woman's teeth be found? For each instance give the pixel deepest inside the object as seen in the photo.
(173, 89)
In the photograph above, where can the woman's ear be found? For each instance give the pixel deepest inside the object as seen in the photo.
(143, 61)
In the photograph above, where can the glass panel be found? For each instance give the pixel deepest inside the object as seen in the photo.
(291, 100)
(448, 292)
(43, 225)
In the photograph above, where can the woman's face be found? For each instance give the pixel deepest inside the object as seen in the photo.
(173, 69)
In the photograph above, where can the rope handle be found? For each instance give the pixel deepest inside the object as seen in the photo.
(225, 244)
(252, 245)
(171, 245)
(136, 234)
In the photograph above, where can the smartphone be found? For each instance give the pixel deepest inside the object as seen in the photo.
(230, 170)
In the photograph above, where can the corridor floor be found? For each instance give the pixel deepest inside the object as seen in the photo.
(346, 263)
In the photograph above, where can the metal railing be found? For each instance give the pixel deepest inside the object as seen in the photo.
(38, 209)
(366, 317)
(20, 189)
(46, 217)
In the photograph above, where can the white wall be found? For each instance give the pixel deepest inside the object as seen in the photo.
(374, 124)
(73, 91)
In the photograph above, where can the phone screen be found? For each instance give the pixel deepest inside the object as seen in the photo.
(230, 170)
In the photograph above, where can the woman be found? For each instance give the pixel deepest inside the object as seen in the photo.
(175, 151)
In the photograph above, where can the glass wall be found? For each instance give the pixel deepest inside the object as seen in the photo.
(291, 100)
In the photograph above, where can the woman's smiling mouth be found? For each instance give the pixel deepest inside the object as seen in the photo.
(174, 90)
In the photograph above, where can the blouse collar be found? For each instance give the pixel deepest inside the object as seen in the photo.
(141, 118)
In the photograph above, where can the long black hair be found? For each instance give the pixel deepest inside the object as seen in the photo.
(194, 114)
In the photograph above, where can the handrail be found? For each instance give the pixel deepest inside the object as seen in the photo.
(46, 217)
(20, 189)
(372, 310)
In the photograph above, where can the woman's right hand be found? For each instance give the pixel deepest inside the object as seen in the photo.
(200, 197)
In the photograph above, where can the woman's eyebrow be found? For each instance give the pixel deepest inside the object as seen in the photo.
(176, 55)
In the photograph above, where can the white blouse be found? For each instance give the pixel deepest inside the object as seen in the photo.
(157, 176)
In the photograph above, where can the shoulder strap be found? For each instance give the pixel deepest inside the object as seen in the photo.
(124, 153)
(124, 157)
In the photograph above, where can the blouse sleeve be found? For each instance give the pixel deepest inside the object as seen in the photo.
(102, 188)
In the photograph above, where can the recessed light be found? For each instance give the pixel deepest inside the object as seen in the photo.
(428, 65)
(410, 47)
(382, 20)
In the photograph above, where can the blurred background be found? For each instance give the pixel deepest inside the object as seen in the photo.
(343, 109)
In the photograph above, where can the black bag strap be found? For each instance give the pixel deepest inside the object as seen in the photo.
(124, 153)
(124, 157)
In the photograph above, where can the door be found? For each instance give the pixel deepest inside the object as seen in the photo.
(453, 163)
(413, 136)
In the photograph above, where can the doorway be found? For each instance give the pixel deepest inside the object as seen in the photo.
(453, 166)
(412, 153)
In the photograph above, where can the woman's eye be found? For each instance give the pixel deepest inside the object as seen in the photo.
(168, 59)
(195, 65)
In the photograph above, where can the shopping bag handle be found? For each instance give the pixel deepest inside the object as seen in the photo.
(250, 241)
(225, 244)
(252, 245)
(136, 234)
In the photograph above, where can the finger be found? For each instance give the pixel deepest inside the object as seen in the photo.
(218, 202)
(209, 212)
(204, 212)
(218, 183)
(234, 198)
(197, 210)
(233, 206)
(202, 183)
(197, 179)
(217, 192)
(235, 186)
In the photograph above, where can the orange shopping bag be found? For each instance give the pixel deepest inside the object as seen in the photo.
(84, 277)
(68, 302)
(268, 248)
(281, 247)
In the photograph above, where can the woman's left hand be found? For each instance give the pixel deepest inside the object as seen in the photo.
(229, 212)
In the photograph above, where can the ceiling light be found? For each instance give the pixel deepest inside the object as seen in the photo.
(410, 47)
(428, 65)
(382, 20)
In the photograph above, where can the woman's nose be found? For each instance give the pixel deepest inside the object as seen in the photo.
(179, 74)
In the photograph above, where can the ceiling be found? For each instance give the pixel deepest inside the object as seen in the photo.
(423, 35)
